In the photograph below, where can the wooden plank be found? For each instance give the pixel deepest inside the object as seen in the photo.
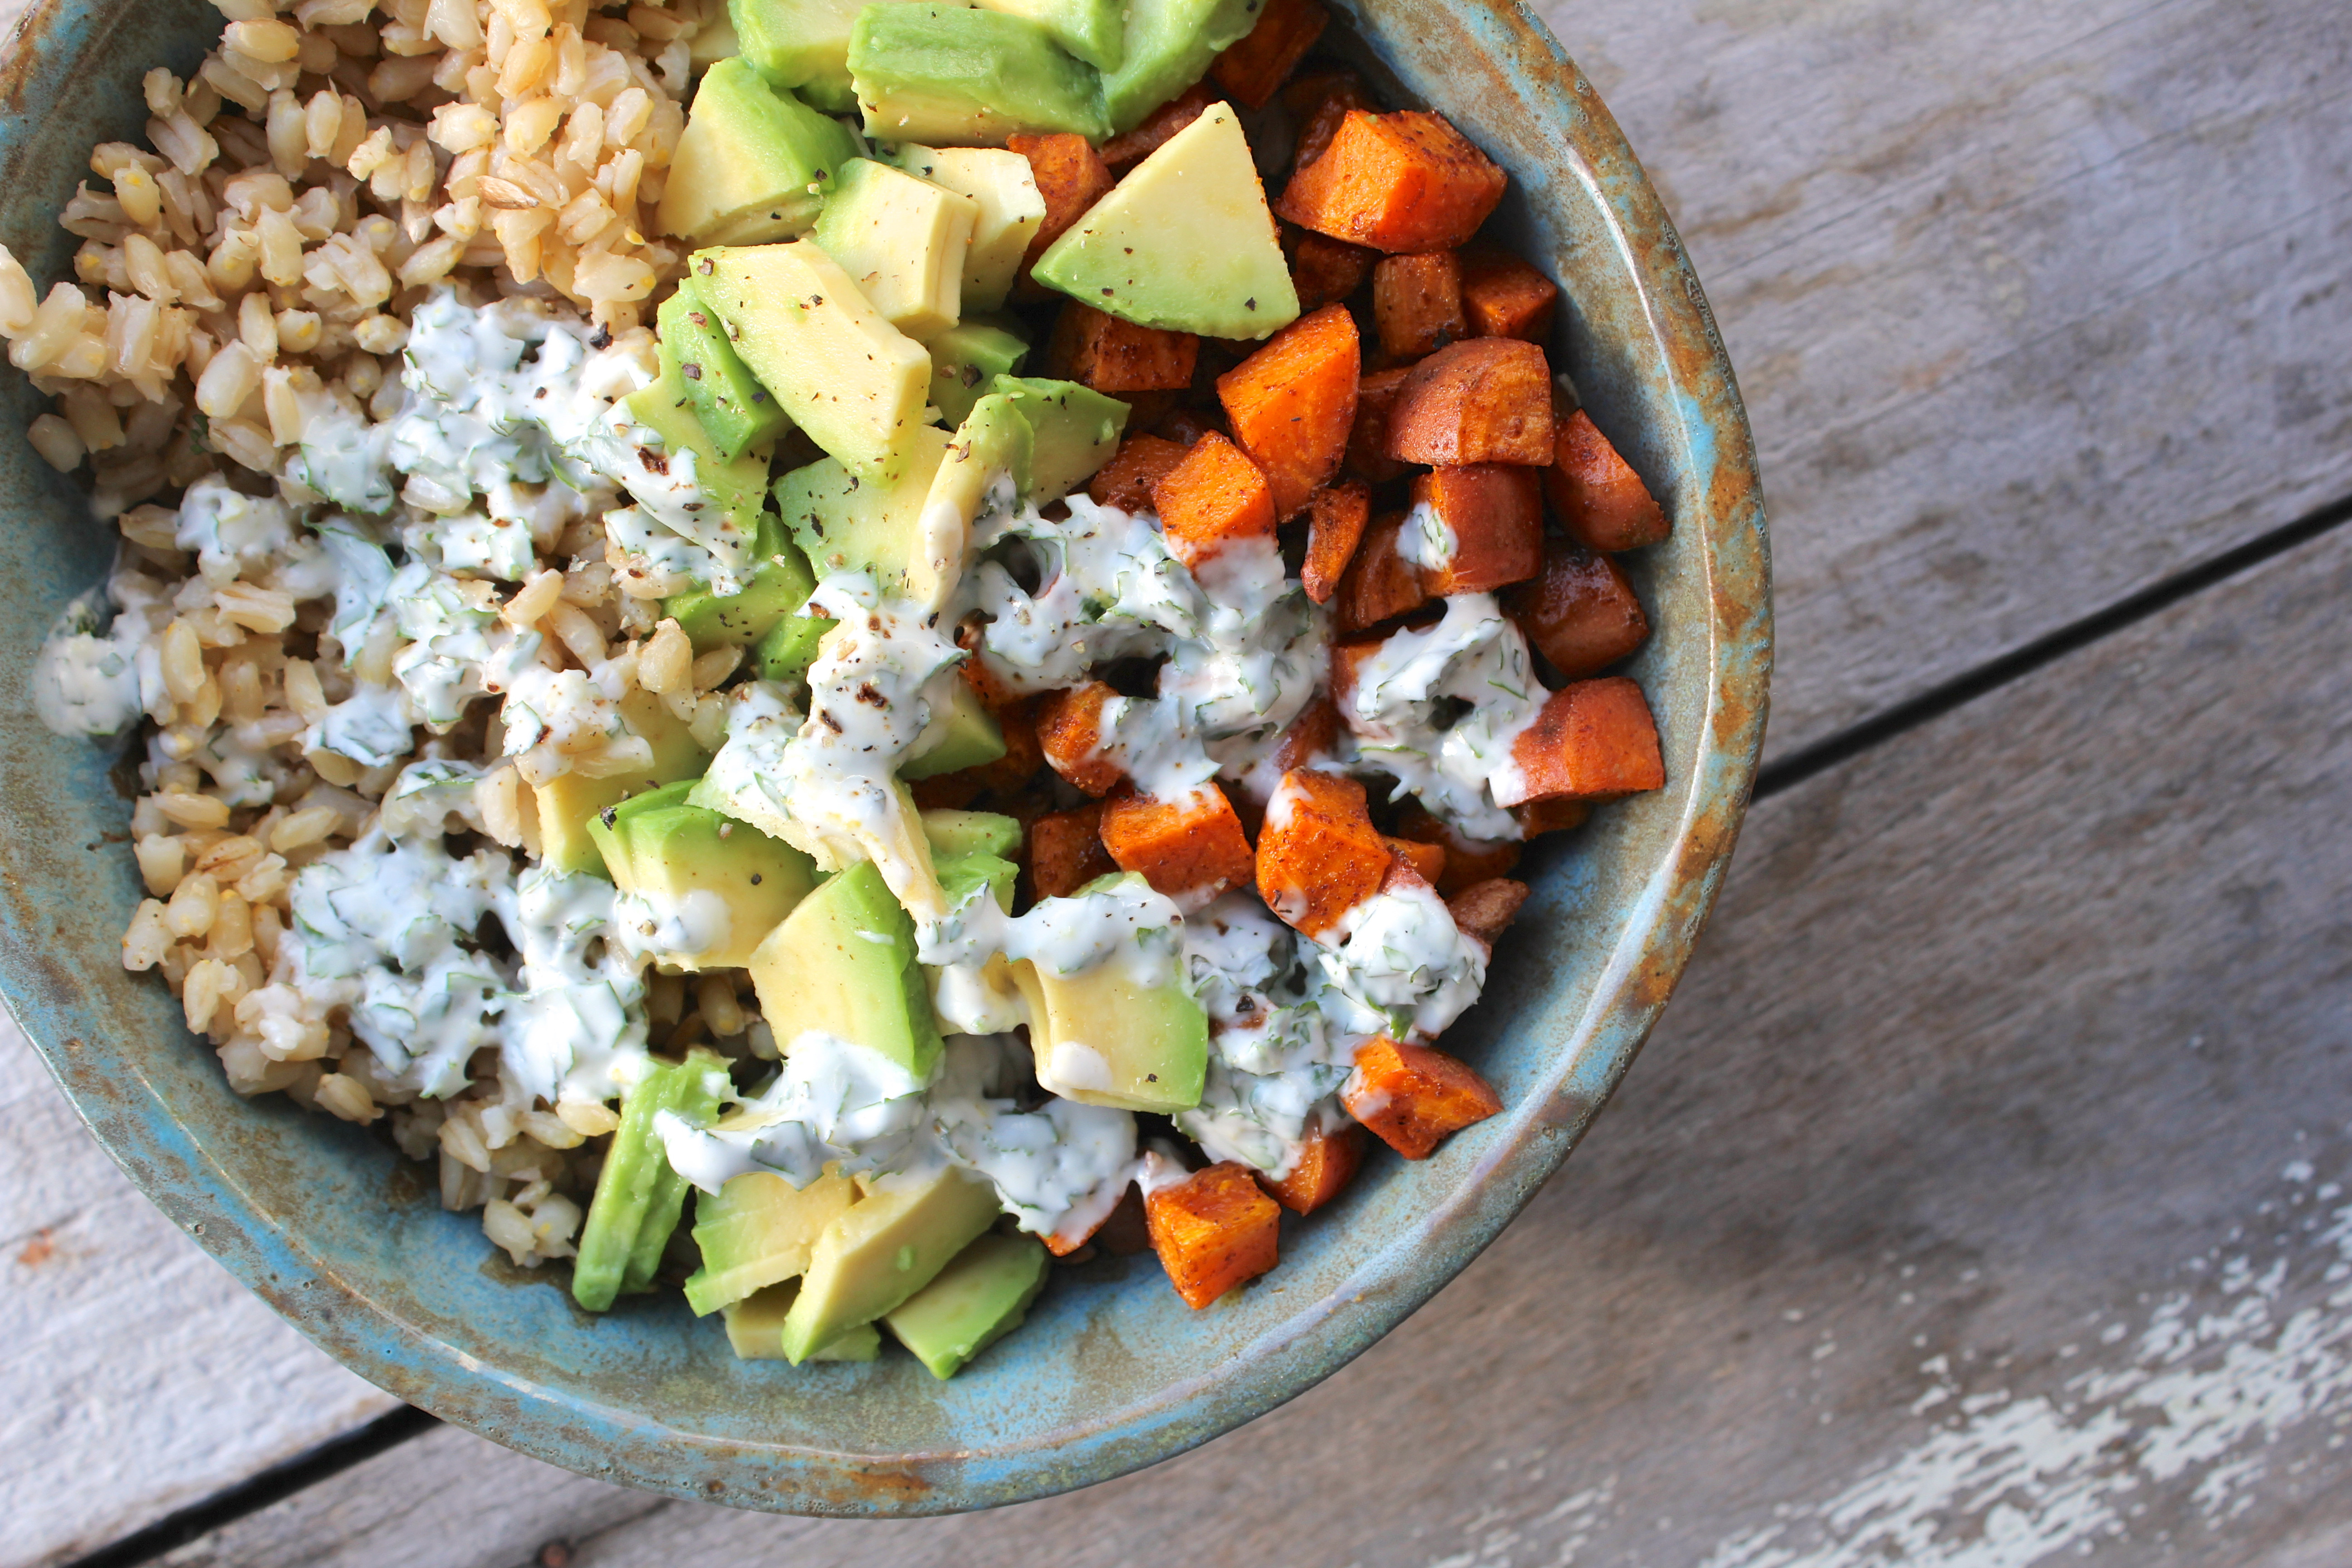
(1989, 1182)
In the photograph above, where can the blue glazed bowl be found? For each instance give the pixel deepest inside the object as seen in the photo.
(1111, 1372)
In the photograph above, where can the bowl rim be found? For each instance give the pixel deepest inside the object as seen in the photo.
(562, 1427)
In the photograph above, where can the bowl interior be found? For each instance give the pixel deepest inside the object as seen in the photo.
(1112, 1372)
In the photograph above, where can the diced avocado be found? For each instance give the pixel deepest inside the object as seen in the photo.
(638, 1196)
(753, 163)
(904, 240)
(986, 468)
(965, 360)
(975, 1301)
(1184, 243)
(966, 736)
(844, 522)
(1094, 30)
(567, 802)
(959, 874)
(755, 1326)
(780, 583)
(971, 833)
(854, 382)
(944, 76)
(1102, 1039)
(845, 963)
(736, 412)
(790, 648)
(757, 1230)
(891, 1242)
(1005, 187)
(725, 882)
(740, 484)
(1075, 431)
(803, 45)
(1169, 46)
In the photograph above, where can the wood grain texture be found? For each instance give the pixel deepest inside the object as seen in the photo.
(1982, 1197)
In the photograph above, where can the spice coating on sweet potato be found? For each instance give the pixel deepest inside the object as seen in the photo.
(1485, 401)
(1291, 404)
(1325, 270)
(1493, 512)
(1254, 69)
(1505, 298)
(1194, 846)
(1485, 910)
(1213, 497)
(1212, 1230)
(1578, 611)
(1327, 1162)
(1141, 462)
(1558, 815)
(1069, 732)
(1158, 128)
(1599, 499)
(1379, 583)
(1337, 518)
(1319, 854)
(1412, 1098)
(1417, 303)
(1367, 444)
(1309, 738)
(1319, 102)
(1071, 176)
(1594, 740)
(1111, 355)
(1427, 861)
(1468, 861)
(1402, 182)
(1065, 851)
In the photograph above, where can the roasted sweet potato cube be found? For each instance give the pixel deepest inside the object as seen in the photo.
(1538, 818)
(1485, 910)
(1311, 737)
(1337, 516)
(1291, 404)
(1598, 499)
(1065, 851)
(1327, 1160)
(1417, 303)
(1325, 270)
(1412, 1098)
(1185, 424)
(1115, 356)
(1380, 585)
(1402, 182)
(1319, 854)
(1580, 612)
(1254, 69)
(1506, 298)
(1069, 732)
(1485, 400)
(1141, 462)
(1158, 127)
(1212, 1230)
(1468, 861)
(1345, 658)
(1367, 444)
(1427, 861)
(1071, 176)
(1594, 740)
(1215, 497)
(1189, 846)
(1494, 513)
(1318, 102)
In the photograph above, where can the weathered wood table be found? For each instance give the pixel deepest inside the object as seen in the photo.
(1986, 1197)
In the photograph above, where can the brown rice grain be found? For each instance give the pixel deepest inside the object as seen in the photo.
(666, 663)
(147, 939)
(310, 824)
(195, 903)
(590, 1119)
(714, 999)
(162, 862)
(573, 627)
(346, 1097)
(56, 442)
(231, 935)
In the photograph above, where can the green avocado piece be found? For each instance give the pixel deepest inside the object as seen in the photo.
(959, 874)
(1184, 243)
(949, 76)
(964, 360)
(1168, 48)
(1075, 431)
(638, 1196)
(1093, 30)
(753, 163)
(984, 470)
(735, 411)
(757, 1230)
(845, 376)
(891, 1242)
(843, 962)
(904, 240)
(845, 522)
(755, 1326)
(790, 648)
(803, 45)
(966, 736)
(737, 484)
(1004, 187)
(780, 584)
(678, 856)
(971, 833)
(568, 803)
(973, 1302)
(1102, 1039)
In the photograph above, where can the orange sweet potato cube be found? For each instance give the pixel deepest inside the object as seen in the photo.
(1468, 861)
(1599, 499)
(1069, 732)
(1558, 815)
(1412, 1098)
(1417, 303)
(1158, 127)
(1380, 585)
(1071, 176)
(1367, 444)
(1291, 404)
(1335, 528)
(1495, 512)
(1485, 910)
(1426, 861)
(1216, 495)
(1402, 182)
(1193, 846)
(1506, 298)
(1327, 1160)
(1212, 1230)
(1325, 270)
(1319, 854)
(1485, 401)
(1141, 462)
(1345, 658)
(1111, 355)
(1578, 611)
(1318, 102)
(1065, 851)
(1594, 740)
(1309, 738)
(1254, 69)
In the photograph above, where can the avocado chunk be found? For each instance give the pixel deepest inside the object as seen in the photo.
(1168, 48)
(891, 1242)
(965, 360)
(975, 1301)
(1094, 30)
(716, 887)
(567, 802)
(790, 648)
(854, 382)
(803, 45)
(780, 583)
(736, 412)
(755, 1326)
(985, 471)
(971, 833)
(1004, 187)
(959, 874)
(944, 76)
(757, 1230)
(1075, 432)
(1100, 1038)
(744, 167)
(844, 522)
(1184, 243)
(638, 1196)
(966, 736)
(737, 485)
(903, 241)
(843, 962)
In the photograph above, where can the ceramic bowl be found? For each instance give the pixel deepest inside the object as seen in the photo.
(1111, 1371)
